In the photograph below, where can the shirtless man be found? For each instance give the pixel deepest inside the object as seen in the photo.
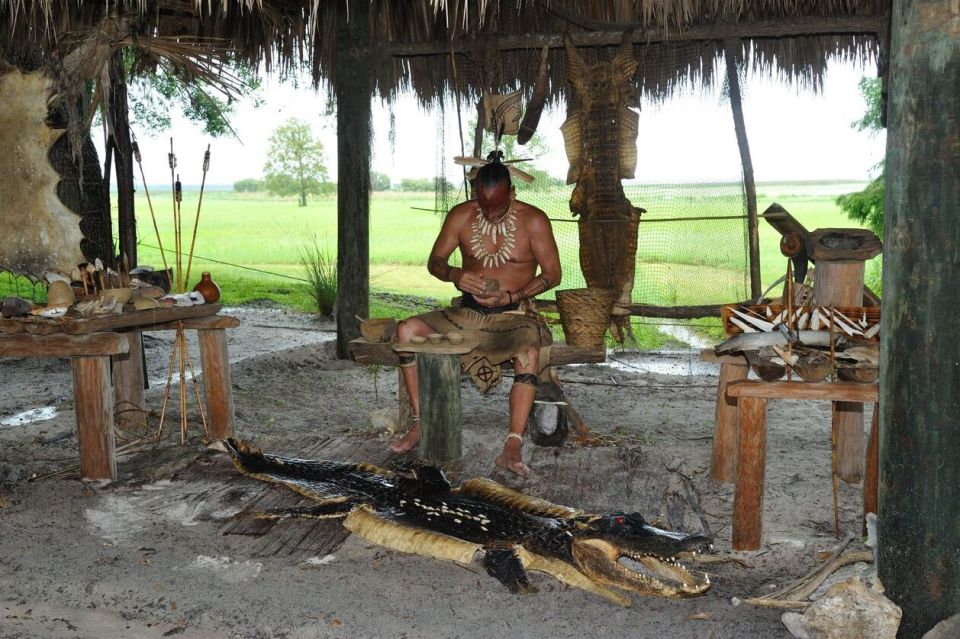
(506, 241)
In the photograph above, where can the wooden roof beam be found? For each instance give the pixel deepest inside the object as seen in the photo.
(794, 27)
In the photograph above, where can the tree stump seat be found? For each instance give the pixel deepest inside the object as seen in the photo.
(438, 368)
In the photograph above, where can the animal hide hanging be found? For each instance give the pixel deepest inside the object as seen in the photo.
(38, 233)
(601, 143)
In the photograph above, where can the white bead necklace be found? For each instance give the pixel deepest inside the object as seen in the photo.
(505, 227)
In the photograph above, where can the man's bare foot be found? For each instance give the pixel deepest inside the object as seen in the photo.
(407, 442)
(511, 458)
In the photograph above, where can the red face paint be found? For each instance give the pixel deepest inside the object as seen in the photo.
(494, 201)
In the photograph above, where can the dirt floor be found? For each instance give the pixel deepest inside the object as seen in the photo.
(172, 548)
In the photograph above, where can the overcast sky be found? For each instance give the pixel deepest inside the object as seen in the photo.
(793, 135)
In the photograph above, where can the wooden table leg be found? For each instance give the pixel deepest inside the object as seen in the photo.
(847, 421)
(441, 439)
(215, 362)
(870, 478)
(128, 382)
(723, 464)
(93, 404)
(751, 467)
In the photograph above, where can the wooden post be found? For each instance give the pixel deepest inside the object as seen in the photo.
(93, 405)
(123, 154)
(840, 283)
(751, 467)
(215, 362)
(440, 409)
(732, 56)
(723, 465)
(128, 382)
(354, 87)
(919, 489)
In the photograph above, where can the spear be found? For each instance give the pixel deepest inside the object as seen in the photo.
(153, 217)
(196, 221)
(172, 162)
(178, 198)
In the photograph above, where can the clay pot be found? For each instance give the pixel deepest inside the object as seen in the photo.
(208, 288)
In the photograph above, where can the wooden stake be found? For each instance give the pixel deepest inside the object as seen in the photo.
(196, 392)
(789, 319)
(182, 345)
(196, 221)
(833, 354)
(833, 477)
(166, 391)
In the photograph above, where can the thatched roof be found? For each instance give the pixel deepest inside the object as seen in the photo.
(495, 41)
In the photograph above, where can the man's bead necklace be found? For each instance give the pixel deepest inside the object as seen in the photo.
(505, 227)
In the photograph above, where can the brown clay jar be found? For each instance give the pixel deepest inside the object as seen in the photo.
(208, 288)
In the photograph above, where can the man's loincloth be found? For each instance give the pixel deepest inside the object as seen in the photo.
(503, 337)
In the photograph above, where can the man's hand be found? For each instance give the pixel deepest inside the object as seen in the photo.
(470, 283)
(494, 298)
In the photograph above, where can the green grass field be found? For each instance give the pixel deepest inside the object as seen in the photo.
(252, 243)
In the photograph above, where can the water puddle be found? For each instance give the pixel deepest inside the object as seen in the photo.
(30, 416)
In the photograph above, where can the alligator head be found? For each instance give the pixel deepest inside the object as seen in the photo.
(651, 568)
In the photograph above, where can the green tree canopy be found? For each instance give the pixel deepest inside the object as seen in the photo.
(158, 91)
(295, 161)
(866, 206)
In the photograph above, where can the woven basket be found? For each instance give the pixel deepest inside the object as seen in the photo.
(585, 314)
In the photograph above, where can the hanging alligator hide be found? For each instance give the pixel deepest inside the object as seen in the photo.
(600, 135)
(38, 233)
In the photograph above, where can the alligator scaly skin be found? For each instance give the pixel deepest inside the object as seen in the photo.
(600, 137)
(513, 530)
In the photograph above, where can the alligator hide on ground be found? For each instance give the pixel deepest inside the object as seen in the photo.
(419, 512)
(39, 232)
(600, 135)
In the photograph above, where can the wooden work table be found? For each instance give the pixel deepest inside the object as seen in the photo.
(91, 345)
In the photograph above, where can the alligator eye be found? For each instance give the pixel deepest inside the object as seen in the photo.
(619, 519)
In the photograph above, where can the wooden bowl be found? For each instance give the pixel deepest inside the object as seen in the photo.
(435, 338)
(378, 329)
(863, 375)
(455, 337)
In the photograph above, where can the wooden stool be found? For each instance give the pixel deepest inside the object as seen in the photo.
(438, 372)
(752, 399)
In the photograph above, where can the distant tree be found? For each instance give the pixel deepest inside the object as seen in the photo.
(379, 181)
(416, 184)
(295, 161)
(866, 206)
(249, 185)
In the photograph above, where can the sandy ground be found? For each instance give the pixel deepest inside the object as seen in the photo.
(145, 557)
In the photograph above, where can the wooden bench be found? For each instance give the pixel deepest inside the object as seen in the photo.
(439, 372)
(91, 355)
(750, 398)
